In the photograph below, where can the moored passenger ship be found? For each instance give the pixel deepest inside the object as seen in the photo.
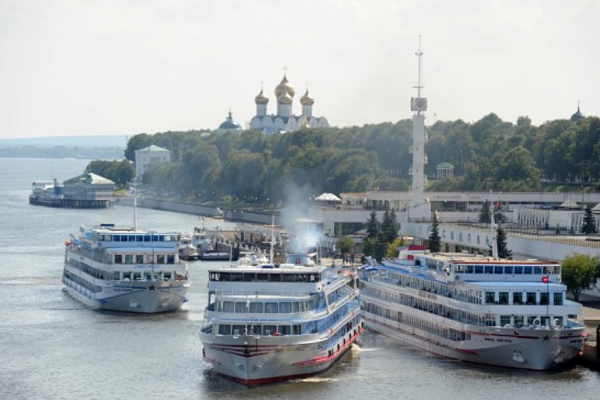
(472, 308)
(265, 323)
(124, 269)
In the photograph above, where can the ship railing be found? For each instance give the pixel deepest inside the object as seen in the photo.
(315, 313)
(260, 318)
(254, 293)
(104, 258)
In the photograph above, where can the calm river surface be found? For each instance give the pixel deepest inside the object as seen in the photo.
(52, 347)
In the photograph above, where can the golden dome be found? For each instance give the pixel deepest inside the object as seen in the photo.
(284, 88)
(261, 98)
(284, 99)
(306, 100)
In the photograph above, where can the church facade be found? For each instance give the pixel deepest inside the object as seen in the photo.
(285, 120)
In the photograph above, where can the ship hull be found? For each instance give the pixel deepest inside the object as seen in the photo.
(145, 298)
(252, 361)
(539, 349)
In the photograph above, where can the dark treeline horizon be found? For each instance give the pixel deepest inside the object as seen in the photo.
(489, 154)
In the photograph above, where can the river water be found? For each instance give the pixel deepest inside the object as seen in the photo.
(52, 347)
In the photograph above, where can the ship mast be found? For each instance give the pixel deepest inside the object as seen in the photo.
(134, 205)
(272, 238)
(493, 229)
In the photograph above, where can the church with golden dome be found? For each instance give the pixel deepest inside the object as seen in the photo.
(285, 120)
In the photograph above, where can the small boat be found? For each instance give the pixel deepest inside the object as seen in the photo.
(187, 250)
(204, 241)
(254, 259)
(211, 255)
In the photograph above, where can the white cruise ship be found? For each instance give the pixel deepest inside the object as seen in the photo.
(265, 323)
(473, 308)
(124, 269)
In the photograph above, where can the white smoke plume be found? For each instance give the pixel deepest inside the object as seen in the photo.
(305, 235)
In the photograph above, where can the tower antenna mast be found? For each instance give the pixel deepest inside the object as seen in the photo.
(419, 54)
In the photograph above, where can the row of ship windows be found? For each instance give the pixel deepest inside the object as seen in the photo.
(428, 326)
(126, 275)
(141, 259)
(138, 238)
(517, 321)
(264, 330)
(281, 307)
(424, 305)
(458, 315)
(527, 298)
(506, 269)
(262, 277)
(147, 276)
(82, 282)
(469, 295)
(524, 320)
(475, 296)
(266, 307)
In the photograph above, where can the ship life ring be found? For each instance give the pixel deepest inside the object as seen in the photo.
(536, 322)
(556, 323)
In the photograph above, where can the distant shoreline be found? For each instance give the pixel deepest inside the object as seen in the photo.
(104, 153)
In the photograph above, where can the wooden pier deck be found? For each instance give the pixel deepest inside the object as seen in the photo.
(591, 316)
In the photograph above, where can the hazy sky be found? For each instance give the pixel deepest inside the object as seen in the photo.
(129, 66)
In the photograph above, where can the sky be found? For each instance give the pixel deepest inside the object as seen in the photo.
(104, 67)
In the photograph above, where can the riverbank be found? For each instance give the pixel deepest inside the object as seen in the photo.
(255, 217)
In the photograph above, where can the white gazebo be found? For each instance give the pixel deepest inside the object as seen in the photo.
(328, 198)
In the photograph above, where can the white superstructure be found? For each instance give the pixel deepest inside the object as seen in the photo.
(265, 323)
(125, 269)
(472, 308)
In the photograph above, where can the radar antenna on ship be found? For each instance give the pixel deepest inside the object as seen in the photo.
(493, 229)
(272, 238)
(134, 205)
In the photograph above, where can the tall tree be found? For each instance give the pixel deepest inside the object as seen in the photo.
(369, 247)
(486, 212)
(503, 251)
(392, 248)
(389, 227)
(589, 222)
(373, 226)
(345, 244)
(434, 236)
(484, 215)
(579, 273)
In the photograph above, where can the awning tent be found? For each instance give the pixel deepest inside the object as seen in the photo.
(330, 197)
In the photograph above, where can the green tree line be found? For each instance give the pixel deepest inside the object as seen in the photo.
(487, 154)
(120, 172)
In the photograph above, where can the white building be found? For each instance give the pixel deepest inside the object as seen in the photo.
(285, 120)
(89, 186)
(145, 156)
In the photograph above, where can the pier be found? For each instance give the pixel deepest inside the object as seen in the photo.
(591, 351)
